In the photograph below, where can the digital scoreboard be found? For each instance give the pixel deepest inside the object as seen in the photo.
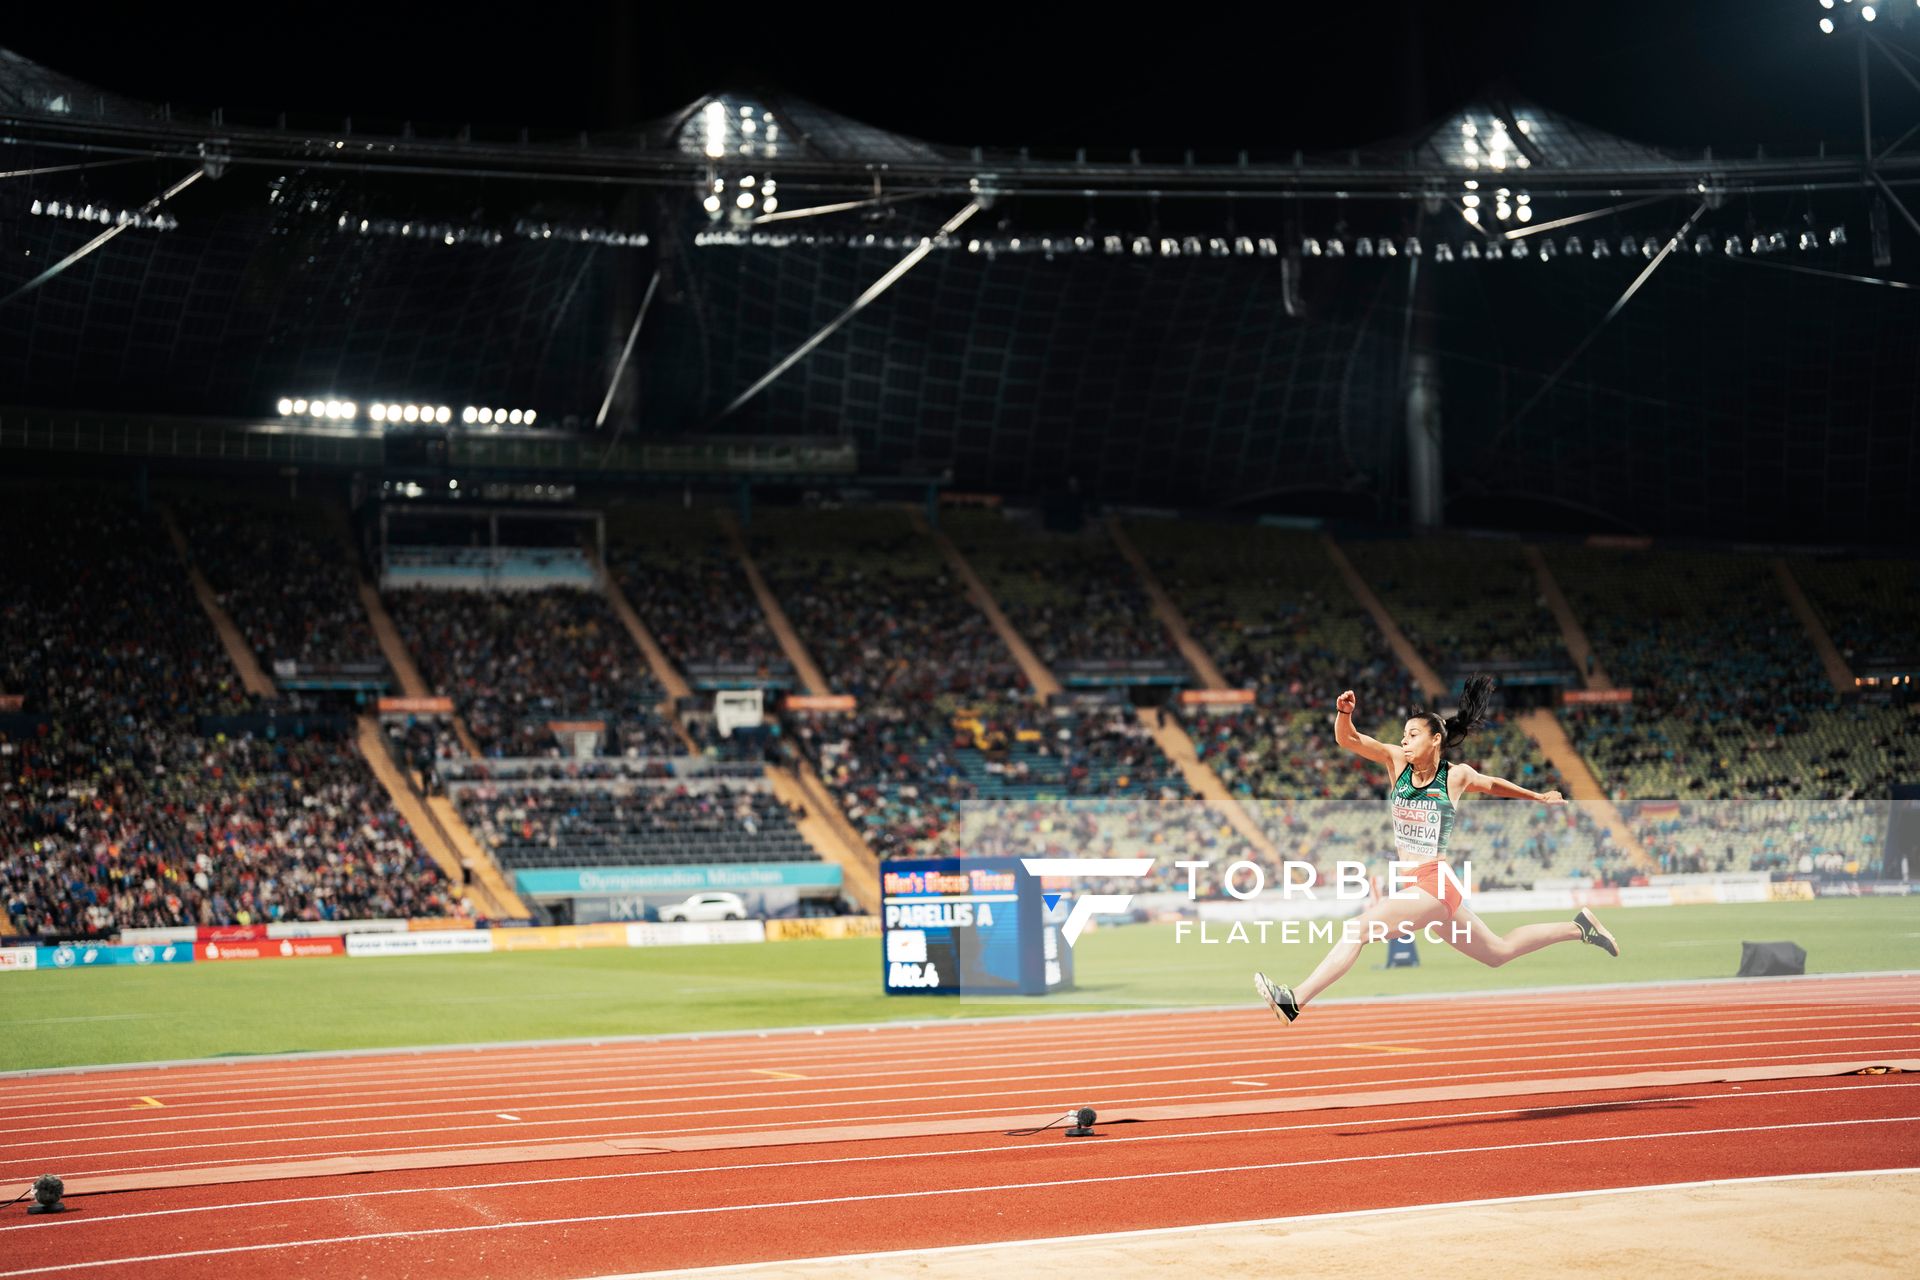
(969, 926)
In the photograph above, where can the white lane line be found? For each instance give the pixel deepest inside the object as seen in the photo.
(398, 1106)
(1724, 993)
(222, 1080)
(1039, 1106)
(1623, 1105)
(757, 1098)
(909, 1257)
(394, 1096)
(504, 1116)
(752, 1206)
(1252, 1084)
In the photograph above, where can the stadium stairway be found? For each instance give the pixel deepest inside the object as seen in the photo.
(426, 829)
(1837, 669)
(1431, 685)
(486, 872)
(1174, 743)
(395, 649)
(803, 664)
(835, 842)
(657, 661)
(252, 676)
(1551, 737)
(1042, 680)
(1167, 611)
(1541, 726)
(1591, 672)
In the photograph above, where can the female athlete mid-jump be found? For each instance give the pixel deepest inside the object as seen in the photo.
(1425, 794)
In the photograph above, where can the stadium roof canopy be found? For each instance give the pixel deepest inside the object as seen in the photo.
(1214, 327)
(794, 138)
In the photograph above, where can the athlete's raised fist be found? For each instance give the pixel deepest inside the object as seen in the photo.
(1344, 703)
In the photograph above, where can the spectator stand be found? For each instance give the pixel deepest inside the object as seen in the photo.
(1474, 605)
(277, 570)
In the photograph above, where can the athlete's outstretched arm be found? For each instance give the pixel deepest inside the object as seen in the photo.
(1357, 742)
(1487, 784)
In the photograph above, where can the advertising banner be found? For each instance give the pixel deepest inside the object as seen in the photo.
(1215, 697)
(1576, 697)
(560, 937)
(593, 881)
(446, 942)
(17, 958)
(682, 935)
(88, 956)
(824, 927)
(270, 949)
(817, 702)
(416, 706)
(176, 933)
(230, 933)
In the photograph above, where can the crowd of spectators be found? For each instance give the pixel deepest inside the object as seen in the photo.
(97, 619)
(881, 611)
(569, 823)
(684, 579)
(1463, 603)
(515, 661)
(134, 825)
(284, 578)
(1072, 596)
(1871, 608)
(1788, 837)
(1272, 611)
(1729, 696)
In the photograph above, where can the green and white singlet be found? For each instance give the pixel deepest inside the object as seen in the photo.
(1422, 816)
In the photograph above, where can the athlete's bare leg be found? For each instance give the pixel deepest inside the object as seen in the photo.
(1413, 912)
(1493, 949)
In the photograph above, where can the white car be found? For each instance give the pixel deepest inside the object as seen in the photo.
(702, 907)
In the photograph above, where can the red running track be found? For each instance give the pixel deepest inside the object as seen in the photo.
(1242, 1126)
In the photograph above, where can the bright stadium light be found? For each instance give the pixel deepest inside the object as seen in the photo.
(378, 413)
(711, 204)
(442, 414)
(513, 416)
(1826, 25)
(469, 415)
(1867, 13)
(348, 409)
(716, 130)
(285, 406)
(486, 417)
(744, 200)
(411, 413)
(530, 415)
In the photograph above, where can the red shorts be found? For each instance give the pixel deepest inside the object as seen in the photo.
(1426, 878)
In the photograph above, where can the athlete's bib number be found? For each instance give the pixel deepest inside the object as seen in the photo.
(1416, 829)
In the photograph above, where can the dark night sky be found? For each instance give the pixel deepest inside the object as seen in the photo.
(1683, 73)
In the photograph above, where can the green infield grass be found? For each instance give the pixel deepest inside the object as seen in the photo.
(208, 1010)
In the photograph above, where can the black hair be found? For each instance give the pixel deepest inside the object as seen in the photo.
(1471, 715)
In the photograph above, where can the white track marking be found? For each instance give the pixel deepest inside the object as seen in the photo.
(406, 1106)
(1623, 1105)
(753, 1206)
(356, 1063)
(394, 1095)
(1036, 1108)
(757, 1104)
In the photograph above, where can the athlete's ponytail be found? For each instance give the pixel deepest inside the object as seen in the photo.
(1453, 729)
